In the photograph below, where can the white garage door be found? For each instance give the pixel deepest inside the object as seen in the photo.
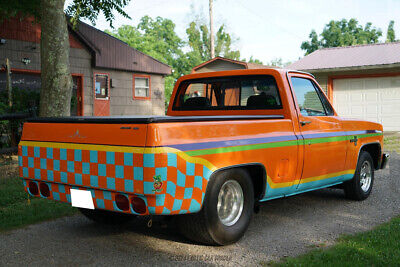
(373, 99)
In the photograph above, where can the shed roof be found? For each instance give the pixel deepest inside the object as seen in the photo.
(350, 56)
(112, 53)
(246, 65)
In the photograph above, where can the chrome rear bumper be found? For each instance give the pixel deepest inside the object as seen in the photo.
(384, 160)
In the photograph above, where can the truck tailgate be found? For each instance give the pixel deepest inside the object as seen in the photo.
(82, 133)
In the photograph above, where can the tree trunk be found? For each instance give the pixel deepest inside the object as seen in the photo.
(55, 94)
(8, 82)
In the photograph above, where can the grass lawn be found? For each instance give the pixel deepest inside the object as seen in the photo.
(16, 212)
(391, 143)
(378, 247)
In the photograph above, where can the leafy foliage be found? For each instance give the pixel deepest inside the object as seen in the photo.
(157, 38)
(390, 35)
(278, 62)
(342, 33)
(253, 60)
(199, 43)
(90, 9)
(19, 7)
(23, 101)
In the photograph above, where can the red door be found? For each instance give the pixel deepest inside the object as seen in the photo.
(101, 92)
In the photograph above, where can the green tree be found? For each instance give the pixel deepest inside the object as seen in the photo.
(342, 33)
(55, 97)
(199, 43)
(157, 38)
(390, 35)
(278, 62)
(253, 60)
(311, 45)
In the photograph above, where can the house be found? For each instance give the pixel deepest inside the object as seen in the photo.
(109, 77)
(361, 81)
(221, 63)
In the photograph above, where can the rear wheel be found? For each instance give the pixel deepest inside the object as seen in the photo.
(107, 217)
(360, 187)
(226, 212)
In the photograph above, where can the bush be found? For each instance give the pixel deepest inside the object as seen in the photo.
(23, 101)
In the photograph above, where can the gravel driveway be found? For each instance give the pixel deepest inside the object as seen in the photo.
(284, 227)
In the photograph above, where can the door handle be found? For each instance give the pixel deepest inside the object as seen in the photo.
(302, 123)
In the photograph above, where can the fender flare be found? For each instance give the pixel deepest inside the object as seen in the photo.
(245, 165)
(372, 143)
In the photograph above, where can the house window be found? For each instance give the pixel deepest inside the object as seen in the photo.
(141, 86)
(101, 86)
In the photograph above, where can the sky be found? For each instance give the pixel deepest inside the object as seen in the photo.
(267, 29)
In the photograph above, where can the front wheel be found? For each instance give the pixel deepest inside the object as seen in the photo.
(360, 187)
(226, 212)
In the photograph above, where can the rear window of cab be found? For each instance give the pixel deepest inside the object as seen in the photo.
(228, 93)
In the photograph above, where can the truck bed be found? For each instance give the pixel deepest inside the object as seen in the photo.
(149, 119)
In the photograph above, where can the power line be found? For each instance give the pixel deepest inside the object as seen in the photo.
(265, 18)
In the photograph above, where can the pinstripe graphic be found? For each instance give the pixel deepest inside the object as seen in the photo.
(41, 171)
(310, 139)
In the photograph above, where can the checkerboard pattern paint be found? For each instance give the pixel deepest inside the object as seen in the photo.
(105, 173)
(102, 199)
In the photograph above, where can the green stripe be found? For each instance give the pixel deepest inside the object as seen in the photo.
(367, 135)
(275, 144)
(241, 148)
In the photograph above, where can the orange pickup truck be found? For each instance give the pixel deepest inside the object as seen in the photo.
(230, 140)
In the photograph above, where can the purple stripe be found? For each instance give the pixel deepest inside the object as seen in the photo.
(322, 135)
(240, 142)
(263, 140)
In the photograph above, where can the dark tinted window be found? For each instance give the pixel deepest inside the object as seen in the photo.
(241, 92)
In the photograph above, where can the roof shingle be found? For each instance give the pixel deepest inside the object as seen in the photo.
(350, 56)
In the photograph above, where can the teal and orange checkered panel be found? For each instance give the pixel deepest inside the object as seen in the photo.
(183, 182)
(102, 199)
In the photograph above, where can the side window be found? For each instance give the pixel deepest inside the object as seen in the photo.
(141, 86)
(308, 98)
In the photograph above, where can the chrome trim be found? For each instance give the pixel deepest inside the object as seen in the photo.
(384, 160)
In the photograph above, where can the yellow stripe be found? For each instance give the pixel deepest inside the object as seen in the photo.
(274, 185)
(154, 150)
(127, 149)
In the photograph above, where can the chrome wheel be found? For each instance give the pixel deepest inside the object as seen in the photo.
(365, 176)
(230, 202)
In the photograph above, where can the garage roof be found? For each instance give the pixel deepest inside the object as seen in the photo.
(350, 56)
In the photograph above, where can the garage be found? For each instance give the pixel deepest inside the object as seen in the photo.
(361, 81)
(375, 99)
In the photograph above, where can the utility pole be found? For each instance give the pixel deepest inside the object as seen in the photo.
(212, 29)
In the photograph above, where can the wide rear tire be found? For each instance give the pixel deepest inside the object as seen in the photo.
(226, 212)
(360, 187)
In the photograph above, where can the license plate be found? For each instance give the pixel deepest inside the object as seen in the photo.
(81, 199)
